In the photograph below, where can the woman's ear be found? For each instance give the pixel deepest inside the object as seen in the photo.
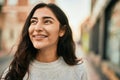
(62, 31)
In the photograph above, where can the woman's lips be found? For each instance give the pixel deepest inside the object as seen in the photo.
(39, 37)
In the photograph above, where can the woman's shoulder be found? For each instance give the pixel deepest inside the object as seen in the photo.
(80, 70)
(81, 65)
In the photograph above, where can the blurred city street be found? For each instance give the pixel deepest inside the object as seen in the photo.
(96, 30)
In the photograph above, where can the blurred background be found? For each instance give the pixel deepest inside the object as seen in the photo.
(96, 31)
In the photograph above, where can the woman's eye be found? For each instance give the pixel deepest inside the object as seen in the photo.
(48, 22)
(33, 22)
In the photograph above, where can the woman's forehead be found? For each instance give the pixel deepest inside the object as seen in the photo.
(40, 12)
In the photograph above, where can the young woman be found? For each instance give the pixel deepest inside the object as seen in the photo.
(46, 50)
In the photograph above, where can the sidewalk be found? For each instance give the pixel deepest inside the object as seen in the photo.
(92, 74)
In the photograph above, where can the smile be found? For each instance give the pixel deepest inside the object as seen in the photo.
(39, 37)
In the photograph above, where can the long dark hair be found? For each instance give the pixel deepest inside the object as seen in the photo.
(26, 52)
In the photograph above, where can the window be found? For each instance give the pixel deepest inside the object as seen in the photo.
(12, 2)
(94, 39)
(113, 39)
(0, 38)
(1, 2)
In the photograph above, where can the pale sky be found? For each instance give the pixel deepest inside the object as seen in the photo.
(77, 11)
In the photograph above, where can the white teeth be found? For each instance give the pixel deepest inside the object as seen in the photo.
(41, 36)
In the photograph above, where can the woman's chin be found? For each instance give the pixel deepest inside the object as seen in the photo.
(37, 46)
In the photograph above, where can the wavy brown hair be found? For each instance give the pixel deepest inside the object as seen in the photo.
(26, 53)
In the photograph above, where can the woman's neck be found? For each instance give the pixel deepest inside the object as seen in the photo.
(47, 56)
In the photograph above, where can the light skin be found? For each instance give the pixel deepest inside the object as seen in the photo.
(44, 32)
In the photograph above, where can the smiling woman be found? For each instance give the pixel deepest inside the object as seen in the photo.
(45, 30)
(46, 48)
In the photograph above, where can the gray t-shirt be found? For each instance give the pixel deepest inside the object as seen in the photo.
(57, 70)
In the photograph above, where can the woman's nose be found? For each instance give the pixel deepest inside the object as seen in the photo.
(39, 27)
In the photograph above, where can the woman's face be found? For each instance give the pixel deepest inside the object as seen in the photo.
(44, 29)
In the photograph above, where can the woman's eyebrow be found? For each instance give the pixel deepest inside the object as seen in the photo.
(34, 18)
(48, 17)
(45, 17)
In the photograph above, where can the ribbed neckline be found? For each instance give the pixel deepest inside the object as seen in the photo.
(43, 65)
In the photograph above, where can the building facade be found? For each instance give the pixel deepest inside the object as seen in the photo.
(101, 38)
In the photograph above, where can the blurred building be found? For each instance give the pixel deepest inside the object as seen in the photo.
(13, 14)
(1, 23)
(101, 38)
